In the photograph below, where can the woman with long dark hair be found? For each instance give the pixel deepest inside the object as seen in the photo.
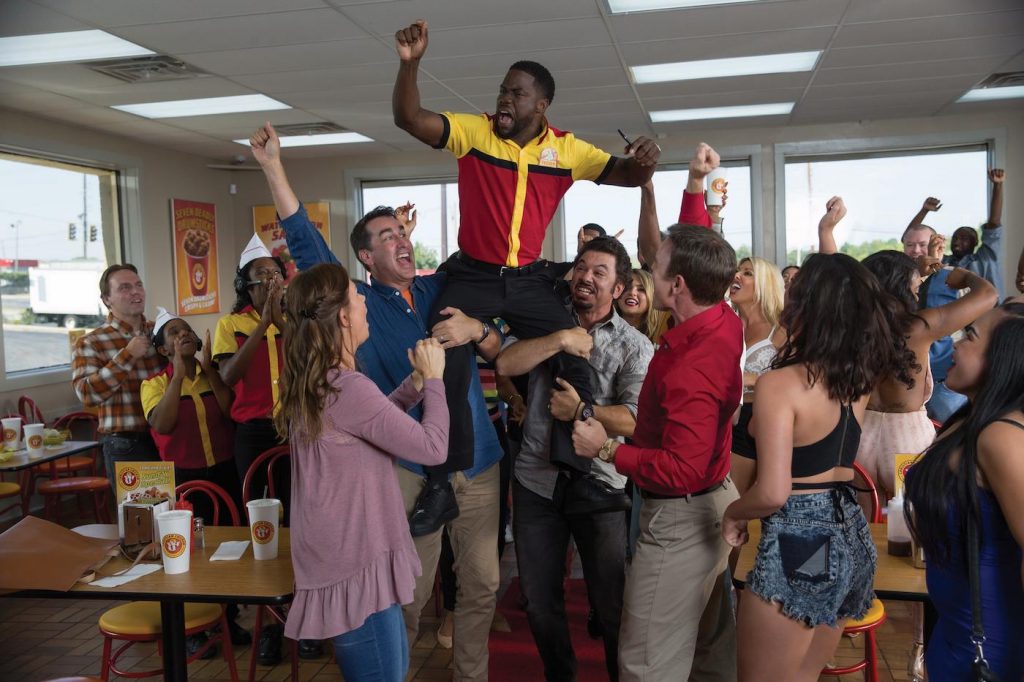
(973, 475)
(353, 556)
(815, 564)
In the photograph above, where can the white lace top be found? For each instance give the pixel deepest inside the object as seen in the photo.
(760, 355)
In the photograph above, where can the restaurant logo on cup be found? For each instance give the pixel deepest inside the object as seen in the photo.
(10, 435)
(174, 545)
(263, 531)
(718, 185)
(35, 441)
(129, 478)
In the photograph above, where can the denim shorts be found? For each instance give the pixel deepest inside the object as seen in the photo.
(816, 558)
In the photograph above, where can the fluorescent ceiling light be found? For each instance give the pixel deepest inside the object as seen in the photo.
(317, 140)
(70, 46)
(623, 6)
(987, 94)
(780, 109)
(789, 62)
(203, 107)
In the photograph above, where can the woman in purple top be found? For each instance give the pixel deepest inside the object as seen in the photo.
(352, 553)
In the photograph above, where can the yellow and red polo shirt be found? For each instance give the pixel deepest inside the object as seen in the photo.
(508, 193)
(203, 436)
(256, 391)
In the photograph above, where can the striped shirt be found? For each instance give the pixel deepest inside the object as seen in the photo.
(106, 377)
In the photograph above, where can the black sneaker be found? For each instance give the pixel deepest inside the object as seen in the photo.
(194, 643)
(269, 652)
(310, 649)
(435, 507)
(594, 628)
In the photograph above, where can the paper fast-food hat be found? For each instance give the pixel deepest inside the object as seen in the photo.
(162, 318)
(253, 250)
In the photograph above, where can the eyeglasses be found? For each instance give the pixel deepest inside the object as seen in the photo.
(265, 273)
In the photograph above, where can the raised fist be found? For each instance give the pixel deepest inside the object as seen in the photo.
(705, 159)
(931, 204)
(411, 42)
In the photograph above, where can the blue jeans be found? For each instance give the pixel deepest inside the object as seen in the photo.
(944, 402)
(376, 651)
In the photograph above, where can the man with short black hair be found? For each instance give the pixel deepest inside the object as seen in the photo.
(110, 363)
(549, 505)
(679, 455)
(514, 169)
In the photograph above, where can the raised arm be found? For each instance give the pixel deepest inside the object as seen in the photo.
(522, 356)
(930, 204)
(96, 380)
(693, 210)
(995, 210)
(163, 416)
(233, 366)
(835, 210)
(649, 233)
(946, 319)
(637, 167)
(266, 148)
(221, 391)
(426, 126)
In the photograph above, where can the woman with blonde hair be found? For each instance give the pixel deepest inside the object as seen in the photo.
(352, 552)
(634, 305)
(756, 295)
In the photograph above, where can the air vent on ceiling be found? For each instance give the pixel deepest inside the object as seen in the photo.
(147, 69)
(1002, 80)
(314, 128)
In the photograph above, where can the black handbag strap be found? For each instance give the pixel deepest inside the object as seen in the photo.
(981, 667)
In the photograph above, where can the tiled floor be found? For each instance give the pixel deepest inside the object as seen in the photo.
(43, 639)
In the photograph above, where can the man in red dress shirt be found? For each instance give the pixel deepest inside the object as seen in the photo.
(679, 457)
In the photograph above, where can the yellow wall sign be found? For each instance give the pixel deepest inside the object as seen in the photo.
(264, 222)
(195, 256)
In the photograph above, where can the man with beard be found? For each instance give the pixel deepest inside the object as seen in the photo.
(513, 170)
(549, 505)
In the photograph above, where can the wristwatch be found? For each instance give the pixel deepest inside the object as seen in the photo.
(607, 451)
(486, 332)
(587, 412)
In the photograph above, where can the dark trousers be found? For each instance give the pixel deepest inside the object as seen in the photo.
(253, 438)
(526, 300)
(542, 539)
(224, 475)
(129, 447)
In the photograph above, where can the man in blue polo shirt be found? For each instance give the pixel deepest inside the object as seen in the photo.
(398, 303)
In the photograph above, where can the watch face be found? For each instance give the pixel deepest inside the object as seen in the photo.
(586, 413)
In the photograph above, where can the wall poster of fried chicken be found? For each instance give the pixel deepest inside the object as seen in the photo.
(195, 256)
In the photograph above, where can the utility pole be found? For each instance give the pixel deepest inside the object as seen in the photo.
(85, 219)
(17, 228)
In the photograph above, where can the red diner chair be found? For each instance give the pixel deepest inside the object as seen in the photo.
(873, 619)
(29, 411)
(59, 475)
(268, 461)
(141, 621)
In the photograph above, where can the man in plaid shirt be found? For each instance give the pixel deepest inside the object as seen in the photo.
(109, 365)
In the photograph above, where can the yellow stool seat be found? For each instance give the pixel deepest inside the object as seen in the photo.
(7, 489)
(142, 618)
(874, 614)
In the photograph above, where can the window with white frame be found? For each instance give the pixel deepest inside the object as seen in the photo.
(59, 228)
(882, 192)
(618, 208)
(437, 215)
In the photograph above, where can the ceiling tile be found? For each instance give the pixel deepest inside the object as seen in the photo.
(751, 44)
(873, 10)
(964, 48)
(495, 65)
(891, 88)
(931, 28)
(336, 78)
(522, 38)
(133, 12)
(292, 57)
(981, 66)
(385, 18)
(726, 20)
(235, 33)
(22, 18)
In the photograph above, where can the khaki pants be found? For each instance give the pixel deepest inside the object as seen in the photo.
(678, 558)
(474, 536)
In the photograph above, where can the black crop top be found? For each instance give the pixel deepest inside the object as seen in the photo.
(837, 449)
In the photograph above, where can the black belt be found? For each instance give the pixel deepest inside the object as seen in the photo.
(502, 270)
(131, 435)
(648, 495)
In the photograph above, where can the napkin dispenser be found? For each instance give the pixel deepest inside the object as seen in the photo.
(139, 518)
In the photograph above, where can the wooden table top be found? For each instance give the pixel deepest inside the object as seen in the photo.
(896, 578)
(20, 459)
(247, 581)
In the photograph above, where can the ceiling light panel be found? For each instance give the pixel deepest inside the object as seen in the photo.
(790, 62)
(317, 140)
(203, 107)
(69, 46)
(626, 6)
(989, 94)
(746, 111)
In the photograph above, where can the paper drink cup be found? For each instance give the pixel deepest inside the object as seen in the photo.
(12, 432)
(175, 528)
(34, 439)
(716, 186)
(263, 524)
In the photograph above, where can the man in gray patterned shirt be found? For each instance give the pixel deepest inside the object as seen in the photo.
(550, 504)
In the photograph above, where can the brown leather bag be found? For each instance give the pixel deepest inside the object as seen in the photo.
(40, 555)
